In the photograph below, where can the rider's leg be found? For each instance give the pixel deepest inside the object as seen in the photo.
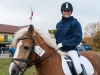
(75, 57)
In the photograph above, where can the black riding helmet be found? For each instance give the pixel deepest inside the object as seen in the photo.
(67, 6)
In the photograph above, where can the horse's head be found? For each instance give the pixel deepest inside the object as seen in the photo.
(32, 47)
(24, 51)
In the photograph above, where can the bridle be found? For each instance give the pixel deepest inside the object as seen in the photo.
(28, 60)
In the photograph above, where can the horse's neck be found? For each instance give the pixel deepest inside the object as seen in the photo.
(51, 63)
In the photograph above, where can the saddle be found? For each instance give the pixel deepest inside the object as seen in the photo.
(71, 65)
(85, 64)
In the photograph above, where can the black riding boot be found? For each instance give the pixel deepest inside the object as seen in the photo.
(83, 71)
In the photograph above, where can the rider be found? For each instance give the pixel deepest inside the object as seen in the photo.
(69, 35)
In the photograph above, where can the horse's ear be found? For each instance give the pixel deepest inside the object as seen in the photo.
(30, 30)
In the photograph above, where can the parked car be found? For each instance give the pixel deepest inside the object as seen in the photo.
(83, 48)
(87, 47)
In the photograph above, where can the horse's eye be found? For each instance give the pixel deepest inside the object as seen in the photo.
(26, 47)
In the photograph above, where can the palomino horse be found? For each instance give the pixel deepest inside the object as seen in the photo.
(47, 61)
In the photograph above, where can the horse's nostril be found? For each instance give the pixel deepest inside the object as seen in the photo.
(13, 72)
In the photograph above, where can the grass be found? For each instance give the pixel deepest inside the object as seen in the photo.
(4, 66)
(99, 52)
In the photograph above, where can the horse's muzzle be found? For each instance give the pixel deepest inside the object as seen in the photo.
(14, 70)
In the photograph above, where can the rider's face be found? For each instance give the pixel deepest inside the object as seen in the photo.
(66, 13)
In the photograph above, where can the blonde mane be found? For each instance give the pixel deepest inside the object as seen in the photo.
(45, 36)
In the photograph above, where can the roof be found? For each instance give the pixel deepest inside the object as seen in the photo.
(4, 28)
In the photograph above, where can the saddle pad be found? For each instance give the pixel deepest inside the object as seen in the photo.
(88, 66)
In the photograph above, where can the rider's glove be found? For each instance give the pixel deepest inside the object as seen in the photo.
(59, 45)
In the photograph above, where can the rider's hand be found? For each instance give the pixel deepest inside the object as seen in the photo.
(59, 45)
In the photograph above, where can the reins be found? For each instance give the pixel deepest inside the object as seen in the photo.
(44, 58)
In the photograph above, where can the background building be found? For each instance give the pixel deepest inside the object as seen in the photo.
(7, 34)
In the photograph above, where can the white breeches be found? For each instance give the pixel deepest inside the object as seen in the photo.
(74, 56)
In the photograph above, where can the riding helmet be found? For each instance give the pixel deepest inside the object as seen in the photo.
(67, 6)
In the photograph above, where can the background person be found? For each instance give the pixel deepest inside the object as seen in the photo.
(12, 50)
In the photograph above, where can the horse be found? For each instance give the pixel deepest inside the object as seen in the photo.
(34, 47)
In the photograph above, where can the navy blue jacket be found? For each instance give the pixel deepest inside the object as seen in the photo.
(69, 33)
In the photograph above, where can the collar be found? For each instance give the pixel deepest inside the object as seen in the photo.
(67, 19)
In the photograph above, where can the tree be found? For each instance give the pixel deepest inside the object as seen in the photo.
(92, 34)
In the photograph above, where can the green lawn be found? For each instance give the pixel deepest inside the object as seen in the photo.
(4, 66)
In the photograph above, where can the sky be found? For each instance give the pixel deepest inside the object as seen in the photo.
(47, 12)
